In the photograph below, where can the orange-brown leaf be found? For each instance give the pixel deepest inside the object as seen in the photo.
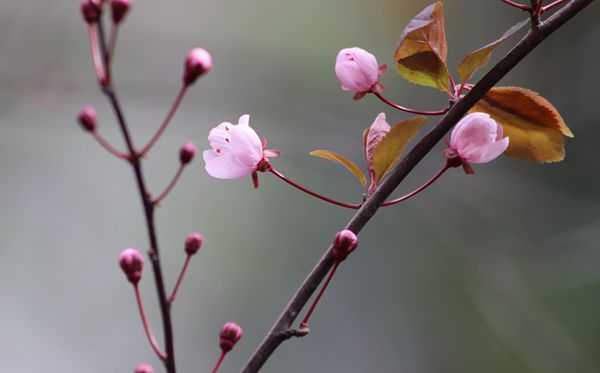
(421, 50)
(534, 127)
(338, 158)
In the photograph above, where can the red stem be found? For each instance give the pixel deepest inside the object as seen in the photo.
(552, 5)
(520, 6)
(304, 323)
(179, 279)
(419, 189)
(112, 42)
(422, 112)
(109, 148)
(147, 329)
(166, 121)
(308, 191)
(170, 186)
(216, 368)
(96, 58)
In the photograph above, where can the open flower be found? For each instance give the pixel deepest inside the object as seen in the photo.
(477, 138)
(237, 151)
(358, 71)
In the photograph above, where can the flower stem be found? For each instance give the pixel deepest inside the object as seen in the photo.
(171, 185)
(552, 5)
(179, 279)
(419, 189)
(165, 122)
(422, 112)
(314, 194)
(112, 42)
(514, 4)
(96, 58)
(147, 329)
(304, 323)
(109, 148)
(216, 368)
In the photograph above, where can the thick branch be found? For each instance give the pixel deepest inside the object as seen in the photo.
(278, 334)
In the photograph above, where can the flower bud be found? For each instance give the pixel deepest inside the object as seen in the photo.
(344, 243)
(132, 263)
(193, 242)
(229, 336)
(91, 10)
(87, 118)
(119, 9)
(144, 368)
(197, 63)
(187, 152)
(358, 71)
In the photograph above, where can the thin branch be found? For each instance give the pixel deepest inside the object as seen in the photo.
(109, 148)
(180, 279)
(412, 111)
(169, 187)
(147, 327)
(278, 332)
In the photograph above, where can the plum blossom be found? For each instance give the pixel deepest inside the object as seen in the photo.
(358, 71)
(477, 138)
(237, 151)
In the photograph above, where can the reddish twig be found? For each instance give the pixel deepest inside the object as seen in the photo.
(147, 328)
(180, 279)
(412, 111)
(109, 148)
(419, 189)
(171, 185)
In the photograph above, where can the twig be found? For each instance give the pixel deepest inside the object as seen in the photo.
(279, 330)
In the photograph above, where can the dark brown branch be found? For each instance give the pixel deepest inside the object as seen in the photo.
(279, 330)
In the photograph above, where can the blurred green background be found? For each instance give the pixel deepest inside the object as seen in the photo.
(499, 272)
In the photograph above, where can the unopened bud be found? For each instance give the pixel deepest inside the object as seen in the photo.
(119, 9)
(197, 63)
(187, 152)
(91, 10)
(344, 243)
(87, 118)
(132, 263)
(144, 368)
(193, 243)
(229, 336)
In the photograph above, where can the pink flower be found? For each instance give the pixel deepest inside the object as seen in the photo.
(477, 138)
(237, 151)
(358, 71)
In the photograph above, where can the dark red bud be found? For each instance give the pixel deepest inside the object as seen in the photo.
(197, 63)
(119, 9)
(87, 119)
(344, 243)
(132, 263)
(187, 152)
(230, 335)
(91, 10)
(193, 243)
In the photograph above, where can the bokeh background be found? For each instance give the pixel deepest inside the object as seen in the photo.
(498, 272)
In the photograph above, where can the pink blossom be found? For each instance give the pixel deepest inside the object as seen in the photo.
(477, 138)
(358, 71)
(237, 151)
(229, 335)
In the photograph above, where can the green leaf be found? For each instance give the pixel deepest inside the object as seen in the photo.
(421, 50)
(351, 166)
(477, 59)
(388, 151)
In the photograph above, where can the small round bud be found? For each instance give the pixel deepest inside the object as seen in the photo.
(193, 243)
(91, 10)
(187, 152)
(132, 263)
(229, 336)
(197, 63)
(144, 368)
(119, 9)
(344, 243)
(87, 118)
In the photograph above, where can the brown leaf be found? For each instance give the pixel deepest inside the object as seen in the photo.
(534, 127)
(338, 158)
(477, 59)
(421, 50)
(372, 136)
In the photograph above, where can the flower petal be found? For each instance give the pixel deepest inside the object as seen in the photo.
(487, 152)
(225, 166)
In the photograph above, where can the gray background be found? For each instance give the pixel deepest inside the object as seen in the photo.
(499, 272)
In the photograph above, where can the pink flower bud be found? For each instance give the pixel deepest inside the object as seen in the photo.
(91, 10)
(229, 336)
(119, 9)
(344, 243)
(197, 63)
(477, 138)
(358, 71)
(187, 152)
(144, 368)
(87, 118)
(193, 243)
(132, 263)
